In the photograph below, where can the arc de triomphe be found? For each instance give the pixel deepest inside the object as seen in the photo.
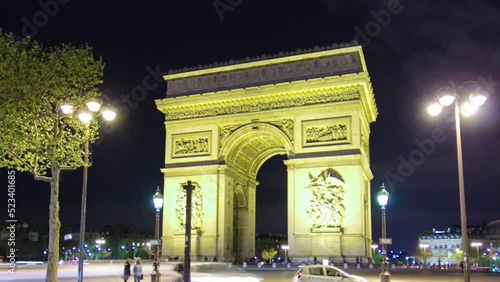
(223, 122)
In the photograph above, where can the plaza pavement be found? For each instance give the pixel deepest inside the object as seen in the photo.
(107, 272)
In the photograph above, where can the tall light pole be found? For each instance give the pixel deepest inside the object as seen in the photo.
(477, 245)
(86, 118)
(383, 199)
(475, 98)
(158, 204)
(99, 242)
(424, 247)
(374, 247)
(189, 187)
(286, 248)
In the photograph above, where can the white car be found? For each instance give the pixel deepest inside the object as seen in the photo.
(322, 273)
(207, 272)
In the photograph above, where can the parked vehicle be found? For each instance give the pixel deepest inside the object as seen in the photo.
(322, 273)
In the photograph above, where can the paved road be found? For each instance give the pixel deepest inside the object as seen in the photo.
(112, 273)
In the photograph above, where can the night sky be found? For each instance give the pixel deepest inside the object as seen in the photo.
(410, 53)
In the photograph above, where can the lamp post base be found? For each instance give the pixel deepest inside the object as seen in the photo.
(155, 275)
(385, 276)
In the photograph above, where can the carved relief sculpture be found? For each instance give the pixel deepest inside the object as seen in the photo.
(326, 208)
(336, 132)
(196, 209)
(191, 144)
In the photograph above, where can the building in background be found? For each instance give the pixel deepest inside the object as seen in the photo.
(444, 247)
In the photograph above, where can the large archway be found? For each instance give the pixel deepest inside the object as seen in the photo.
(223, 123)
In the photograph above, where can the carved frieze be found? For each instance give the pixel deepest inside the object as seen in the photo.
(276, 101)
(191, 144)
(326, 207)
(326, 132)
(337, 64)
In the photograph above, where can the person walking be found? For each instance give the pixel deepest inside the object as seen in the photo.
(137, 270)
(126, 270)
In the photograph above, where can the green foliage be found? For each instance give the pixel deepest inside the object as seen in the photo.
(35, 137)
(423, 254)
(378, 258)
(269, 254)
(141, 253)
(35, 82)
(456, 257)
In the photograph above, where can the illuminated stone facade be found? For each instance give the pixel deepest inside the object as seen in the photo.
(222, 123)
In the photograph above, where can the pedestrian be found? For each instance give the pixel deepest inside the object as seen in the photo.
(126, 270)
(138, 270)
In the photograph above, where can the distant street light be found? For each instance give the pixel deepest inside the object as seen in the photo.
(477, 245)
(424, 252)
(158, 204)
(99, 242)
(86, 118)
(286, 248)
(383, 199)
(474, 99)
(374, 247)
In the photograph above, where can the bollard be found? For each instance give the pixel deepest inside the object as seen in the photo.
(244, 264)
(346, 266)
(358, 266)
(274, 265)
(155, 275)
(259, 265)
(288, 265)
(371, 266)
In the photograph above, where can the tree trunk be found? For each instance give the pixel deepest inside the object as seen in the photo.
(54, 227)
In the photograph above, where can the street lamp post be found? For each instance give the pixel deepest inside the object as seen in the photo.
(475, 98)
(99, 242)
(424, 247)
(189, 187)
(285, 248)
(374, 247)
(383, 199)
(86, 118)
(477, 245)
(158, 204)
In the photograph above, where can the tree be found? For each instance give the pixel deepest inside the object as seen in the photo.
(35, 137)
(269, 254)
(423, 255)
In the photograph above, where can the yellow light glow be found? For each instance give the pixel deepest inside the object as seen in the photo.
(434, 109)
(478, 98)
(468, 108)
(67, 109)
(85, 117)
(446, 99)
(108, 114)
(93, 106)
